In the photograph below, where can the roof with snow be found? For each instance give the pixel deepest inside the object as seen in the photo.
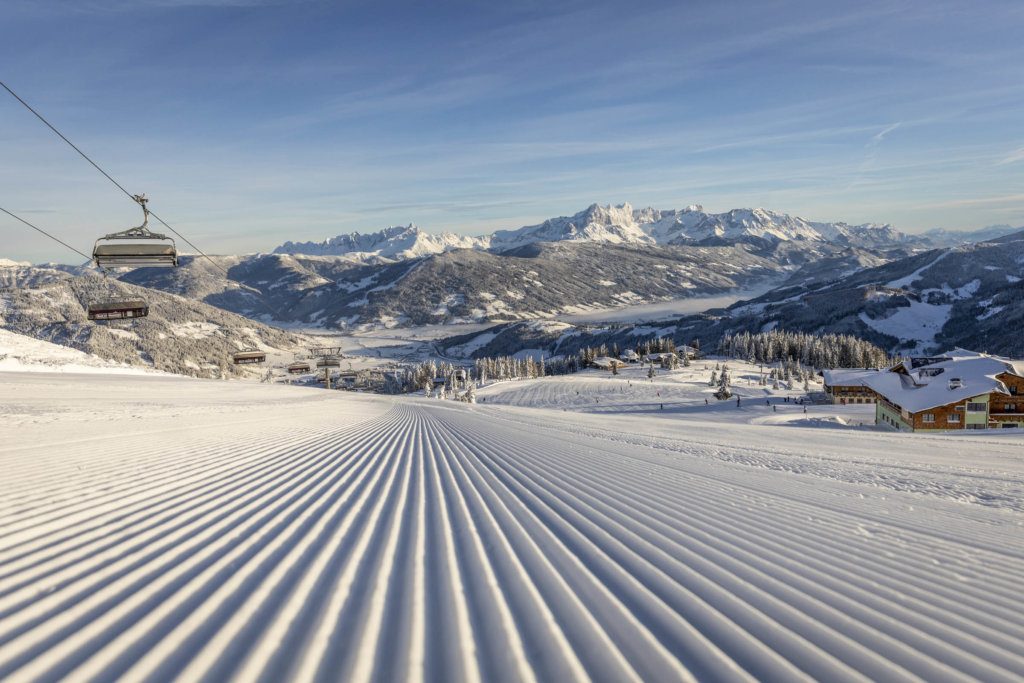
(937, 381)
(848, 377)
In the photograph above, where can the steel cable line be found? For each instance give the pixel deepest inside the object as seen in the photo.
(88, 259)
(107, 175)
(55, 239)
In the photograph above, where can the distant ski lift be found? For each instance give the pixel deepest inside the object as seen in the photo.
(298, 368)
(249, 356)
(329, 362)
(326, 351)
(118, 309)
(136, 247)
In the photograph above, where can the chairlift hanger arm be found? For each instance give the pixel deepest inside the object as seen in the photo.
(140, 231)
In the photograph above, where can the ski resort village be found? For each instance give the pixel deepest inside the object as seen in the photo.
(257, 425)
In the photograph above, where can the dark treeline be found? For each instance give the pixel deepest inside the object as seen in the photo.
(820, 351)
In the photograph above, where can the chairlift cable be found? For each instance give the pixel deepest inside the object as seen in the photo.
(107, 175)
(131, 196)
(55, 239)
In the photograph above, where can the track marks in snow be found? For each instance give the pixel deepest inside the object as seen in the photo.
(437, 542)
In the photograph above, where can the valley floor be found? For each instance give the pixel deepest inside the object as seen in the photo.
(154, 527)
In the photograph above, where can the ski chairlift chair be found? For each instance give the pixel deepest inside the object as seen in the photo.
(248, 356)
(329, 362)
(138, 247)
(117, 309)
(298, 367)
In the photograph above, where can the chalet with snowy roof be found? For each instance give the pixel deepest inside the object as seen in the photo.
(847, 385)
(606, 363)
(659, 357)
(629, 355)
(958, 390)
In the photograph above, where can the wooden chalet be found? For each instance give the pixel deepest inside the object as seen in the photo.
(958, 390)
(606, 363)
(847, 385)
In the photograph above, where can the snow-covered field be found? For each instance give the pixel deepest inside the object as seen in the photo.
(19, 353)
(158, 528)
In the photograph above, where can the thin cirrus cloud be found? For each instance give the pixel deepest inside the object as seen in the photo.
(1013, 157)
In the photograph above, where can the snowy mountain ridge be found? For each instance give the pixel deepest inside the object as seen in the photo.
(394, 243)
(940, 237)
(613, 224)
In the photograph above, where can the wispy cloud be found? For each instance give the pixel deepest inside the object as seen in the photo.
(877, 138)
(983, 201)
(1012, 158)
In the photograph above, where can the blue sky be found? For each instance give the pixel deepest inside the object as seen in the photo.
(252, 122)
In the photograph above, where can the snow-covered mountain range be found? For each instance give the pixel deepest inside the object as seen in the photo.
(940, 237)
(693, 225)
(390, 244)
(601, 257)
(620, 224)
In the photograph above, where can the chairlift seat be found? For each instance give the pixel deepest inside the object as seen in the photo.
(249, 356)
(298, 368)
(135, 255)
(117, 309)
(328, 363)
(135, 247)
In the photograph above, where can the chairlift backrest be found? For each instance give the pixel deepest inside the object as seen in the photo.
(117, 309)
(246, 356)
(137, 254)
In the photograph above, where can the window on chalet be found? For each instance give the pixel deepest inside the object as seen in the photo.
(952, 417)
(976, 407)
(928, 417)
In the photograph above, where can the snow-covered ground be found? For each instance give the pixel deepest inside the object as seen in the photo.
(25, 354)
(164, 528)
(683, 391)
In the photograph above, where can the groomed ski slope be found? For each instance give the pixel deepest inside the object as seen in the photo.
(161, 528)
